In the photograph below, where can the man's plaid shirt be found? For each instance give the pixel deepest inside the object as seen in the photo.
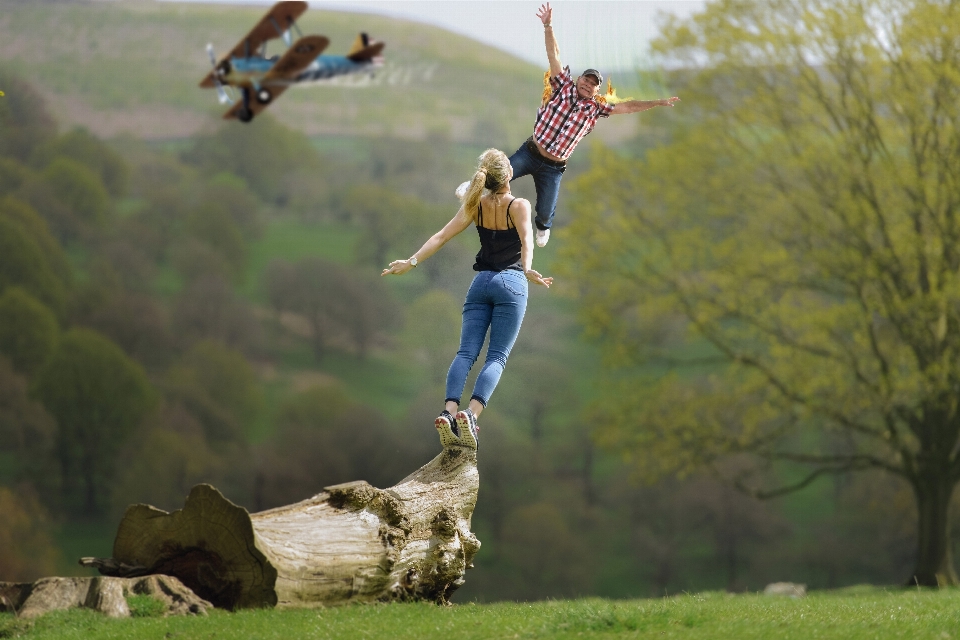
(566, 117)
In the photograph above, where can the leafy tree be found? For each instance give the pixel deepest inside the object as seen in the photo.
(212, 224)
(79, 188)
(264, 154)
(219, 386)
(24, 264)
(335, 302)
(12, 175)
(800, 229)
(230, 193)
(27, 550)
(24, 120)
(98, 396)
(366, 310)
(311, 288)
(28, 330)
(434, 334)
(27, 436)
(391, 221)
(27, 217)
(208, 309)
(324, 438)
(168, 457)
(82, 146)
(138, 323)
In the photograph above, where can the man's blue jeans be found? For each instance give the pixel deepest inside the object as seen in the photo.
(546, 178)
(495, 300)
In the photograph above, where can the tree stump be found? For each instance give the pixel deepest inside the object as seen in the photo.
(351, 543)
(106, 595)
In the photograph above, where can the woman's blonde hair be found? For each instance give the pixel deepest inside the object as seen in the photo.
(493, 171)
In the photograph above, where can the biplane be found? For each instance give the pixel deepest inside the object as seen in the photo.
(260, 79)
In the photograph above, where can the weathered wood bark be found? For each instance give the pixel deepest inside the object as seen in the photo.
(107, 595)
(353, 542)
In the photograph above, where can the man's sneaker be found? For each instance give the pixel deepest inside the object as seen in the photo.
(469, 431)
(543, 237)
(447, 429)
(461, 191)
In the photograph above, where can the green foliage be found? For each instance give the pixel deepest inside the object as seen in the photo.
(79, 188)
(334, 301)
(98, 396)
(145, 606)
(23, 263)
(390, 221)
(219, 386)
(12, 175)
(26, 547)
(781, 279)
(321, 436)
(24, 120)
(27, 217)
(212, 225)
(432, 332)
(28, 330)
(83, 147)
(263, 154)
(27, 438)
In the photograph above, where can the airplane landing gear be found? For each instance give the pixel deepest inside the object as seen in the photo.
(245, 113)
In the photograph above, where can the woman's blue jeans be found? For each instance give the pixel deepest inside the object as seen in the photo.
(495, 301)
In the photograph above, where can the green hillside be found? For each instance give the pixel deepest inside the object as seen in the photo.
(134, 67)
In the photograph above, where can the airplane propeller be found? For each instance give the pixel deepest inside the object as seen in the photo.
(221, 92)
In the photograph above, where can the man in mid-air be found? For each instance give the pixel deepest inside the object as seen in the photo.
(565, 118)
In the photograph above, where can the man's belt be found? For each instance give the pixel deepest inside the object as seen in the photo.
(532, 146)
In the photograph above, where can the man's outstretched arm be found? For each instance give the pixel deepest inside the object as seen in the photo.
(633, 106)
(553, 51)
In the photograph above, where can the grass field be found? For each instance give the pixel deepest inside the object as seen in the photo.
(850, 614)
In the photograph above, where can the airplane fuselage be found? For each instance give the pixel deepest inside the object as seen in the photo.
(249, 71)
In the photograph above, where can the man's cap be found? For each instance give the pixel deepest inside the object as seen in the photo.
(595, 73)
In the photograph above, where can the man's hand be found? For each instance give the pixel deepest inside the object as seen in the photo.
(668, 102)
(545, 14)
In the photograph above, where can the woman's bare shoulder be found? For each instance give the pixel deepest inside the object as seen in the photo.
(522, 203)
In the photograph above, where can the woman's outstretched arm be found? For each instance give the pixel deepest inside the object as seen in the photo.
(525, 229)
(457, 224)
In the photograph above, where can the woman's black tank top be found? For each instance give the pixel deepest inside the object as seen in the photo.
(499, 249)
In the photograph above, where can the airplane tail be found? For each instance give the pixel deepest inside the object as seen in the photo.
(364, 49)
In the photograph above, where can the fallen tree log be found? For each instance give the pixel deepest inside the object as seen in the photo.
(351, 543)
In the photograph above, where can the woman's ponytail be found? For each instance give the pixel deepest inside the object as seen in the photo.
(493, 171)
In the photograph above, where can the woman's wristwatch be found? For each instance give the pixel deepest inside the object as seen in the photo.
(413, 261)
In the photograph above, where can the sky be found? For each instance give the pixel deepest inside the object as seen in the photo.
(605, 34)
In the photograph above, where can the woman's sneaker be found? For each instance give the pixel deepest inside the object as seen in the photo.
(447, 429)
(468, 429)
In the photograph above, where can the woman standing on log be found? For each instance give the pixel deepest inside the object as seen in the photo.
(497, 298)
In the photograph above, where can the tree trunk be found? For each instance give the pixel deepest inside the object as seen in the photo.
(934, 566)
(351, 543)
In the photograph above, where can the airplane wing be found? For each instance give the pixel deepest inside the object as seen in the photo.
(282, 15)
(280, 18)
(297, 58)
